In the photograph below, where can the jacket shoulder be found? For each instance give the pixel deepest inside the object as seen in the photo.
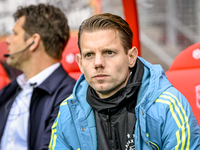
(170, 118)
(171, 103)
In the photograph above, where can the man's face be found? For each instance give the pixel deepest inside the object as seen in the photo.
(16, 43)
(104, 62)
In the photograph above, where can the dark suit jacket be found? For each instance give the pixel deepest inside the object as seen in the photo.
(44, 106)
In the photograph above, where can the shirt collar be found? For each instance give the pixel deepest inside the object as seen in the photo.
(38, 78)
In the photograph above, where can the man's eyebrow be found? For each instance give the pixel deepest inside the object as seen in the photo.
(86, 52)
(109, 49)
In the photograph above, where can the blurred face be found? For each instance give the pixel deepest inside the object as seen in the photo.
(104, 62)
(16, 43)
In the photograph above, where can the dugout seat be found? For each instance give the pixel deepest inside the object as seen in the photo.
(184, 74)
(69, 58)
(4, 79)
(3, 50)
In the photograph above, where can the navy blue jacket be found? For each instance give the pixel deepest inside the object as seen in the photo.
(44, 106)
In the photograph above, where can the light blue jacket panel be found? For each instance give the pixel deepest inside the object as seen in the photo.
(74, 128)
(164, 117)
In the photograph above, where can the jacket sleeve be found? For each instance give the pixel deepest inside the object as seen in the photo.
(57, 139)
(180, 129)
(61, 130)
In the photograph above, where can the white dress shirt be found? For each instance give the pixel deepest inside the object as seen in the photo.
(16, 129)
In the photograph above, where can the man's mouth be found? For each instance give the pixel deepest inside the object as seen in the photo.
(100, 76)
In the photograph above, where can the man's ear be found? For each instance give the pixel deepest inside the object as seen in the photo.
(36, 38)
(132, 55)
(79, 61)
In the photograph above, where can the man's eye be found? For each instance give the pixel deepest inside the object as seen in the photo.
(88, 55)
(109, 52)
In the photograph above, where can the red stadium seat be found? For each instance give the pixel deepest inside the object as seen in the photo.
(4, 79)
(3, 50)
(184, 74)
(69, 58)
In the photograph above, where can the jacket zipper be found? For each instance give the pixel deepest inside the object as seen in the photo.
(109, 125)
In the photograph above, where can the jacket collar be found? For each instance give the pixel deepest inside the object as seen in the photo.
(51, 83)
(154, 82)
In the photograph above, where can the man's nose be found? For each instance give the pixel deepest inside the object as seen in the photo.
(99, 61)
(8, 39)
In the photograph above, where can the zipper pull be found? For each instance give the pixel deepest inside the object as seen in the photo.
(109, 125)
(108, 115)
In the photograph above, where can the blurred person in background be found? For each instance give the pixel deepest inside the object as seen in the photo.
(30, 103)
(121, 102)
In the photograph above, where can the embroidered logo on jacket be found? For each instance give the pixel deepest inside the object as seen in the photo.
(130, 145)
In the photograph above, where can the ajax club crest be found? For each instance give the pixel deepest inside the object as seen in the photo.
(130, 143)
